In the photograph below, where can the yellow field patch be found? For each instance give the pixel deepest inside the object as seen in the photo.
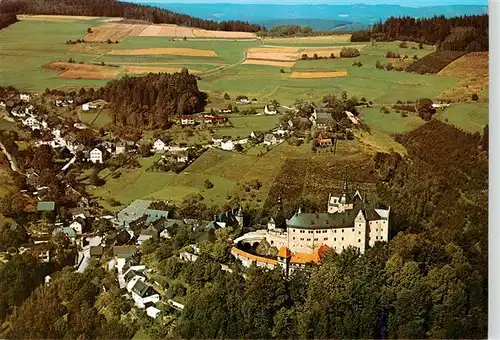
(113, 31)
(316, 75)
(154, 69)
(273, 53)
(82, 71)
(192, 52)
(326, 38)
(61, 18)
(289, 64)
(474, 67)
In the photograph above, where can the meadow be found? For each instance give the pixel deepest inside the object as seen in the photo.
(470, 117)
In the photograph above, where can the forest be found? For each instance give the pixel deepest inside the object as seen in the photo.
(113, 8)
(151, 100)
(464, 33)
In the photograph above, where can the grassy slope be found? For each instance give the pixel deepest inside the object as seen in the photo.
(469, 117)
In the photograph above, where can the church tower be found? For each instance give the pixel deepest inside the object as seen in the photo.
(239, 217)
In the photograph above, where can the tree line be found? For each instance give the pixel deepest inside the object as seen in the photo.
(113, 8)
(463, 33)
(7, 19)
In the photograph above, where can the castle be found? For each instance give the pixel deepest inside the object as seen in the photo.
(349, 221)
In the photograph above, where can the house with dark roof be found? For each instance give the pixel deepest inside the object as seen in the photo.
(96, 251)
(143, 293)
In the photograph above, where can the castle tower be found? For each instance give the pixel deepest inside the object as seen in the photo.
(239, 217)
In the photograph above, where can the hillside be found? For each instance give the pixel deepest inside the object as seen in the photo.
(113, 8)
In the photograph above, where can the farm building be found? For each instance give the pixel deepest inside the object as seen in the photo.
(270, 109)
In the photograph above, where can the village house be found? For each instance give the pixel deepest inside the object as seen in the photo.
(91, 106)
(182, 157)
(96, 155)
(143, 293)
(323, 142)
(96, 252)
(32, 123)
(46, 206)
(352, 117)
(188, 120)
(2, 104)
(159, 145)
(80, 126)
(270, 139)
(78, 225)
(323, 120)
(120, 255)
(242, 100)
(120, 148)
(270, 109)
(227, 145)
(217, 140)
(226, 109)
(18, 113)
(25, 97)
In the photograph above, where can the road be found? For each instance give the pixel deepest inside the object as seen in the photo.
(12, 163)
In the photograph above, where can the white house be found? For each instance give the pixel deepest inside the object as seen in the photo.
(56, 132)
(227, 145)
(90, 106)
(153, 312)
(17, 113)
(86, 107)
(270, 139)
(242, 100)
(182, 157)
(270, 110)
(32, 123)
(121, 147)
(217, 140)
(142, 293)
(25, 97)
(159, 145)
(95, 156)
(77, 226)
(187, 120)
(121, 255)
(80, 126)
(2, 104)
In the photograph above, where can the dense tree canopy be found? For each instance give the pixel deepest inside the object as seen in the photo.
(464, 33)
(153, 99)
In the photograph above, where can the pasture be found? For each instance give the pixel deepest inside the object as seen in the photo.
(469, 117)
(390, 123)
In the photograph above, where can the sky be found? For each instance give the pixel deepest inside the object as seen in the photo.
(410, 3)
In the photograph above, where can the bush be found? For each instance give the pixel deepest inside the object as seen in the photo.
(403, 44)
(282, 71)
(332, 56)
(389, 67)
(349, 52)
(390, 54)
(475, 97)
(226, 96)
(305, 57)
(208, 184)
(420, 46)
(379, 65)
(385, 110)
(415, 57)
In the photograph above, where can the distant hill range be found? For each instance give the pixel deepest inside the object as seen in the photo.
(319, 17)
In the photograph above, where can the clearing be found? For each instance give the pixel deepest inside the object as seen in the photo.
(288, 64)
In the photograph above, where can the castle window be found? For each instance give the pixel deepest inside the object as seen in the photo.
(294, 238)
(335, 239)
(359, 232)
(310, 232)
(342, 230)
(302, 239)
(335, 231)
(293, 230)
(369, 238)
(342, 239)
(309, 239)
(376, 237)
(325, 239)
(352, 229)
(376, 229)
(316, 239)
(359, 240)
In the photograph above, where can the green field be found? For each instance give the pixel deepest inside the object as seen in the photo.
(244, 125)
(468, 117)
(391, 122)
(41, 42)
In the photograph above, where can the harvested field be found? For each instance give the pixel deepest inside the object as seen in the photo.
(119, 30)
(166, 50)
(315, 75)
(113, 31)
(82, 71)
(273, 53)
(475, 68)
(154, 69)
(60, 18)
(326, 52)
(289, 64)
(319, 39)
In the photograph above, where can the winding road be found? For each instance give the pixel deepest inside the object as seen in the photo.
(12, 163)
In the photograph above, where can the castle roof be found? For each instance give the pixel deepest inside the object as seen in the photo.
(322, 220)
(284, 252)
